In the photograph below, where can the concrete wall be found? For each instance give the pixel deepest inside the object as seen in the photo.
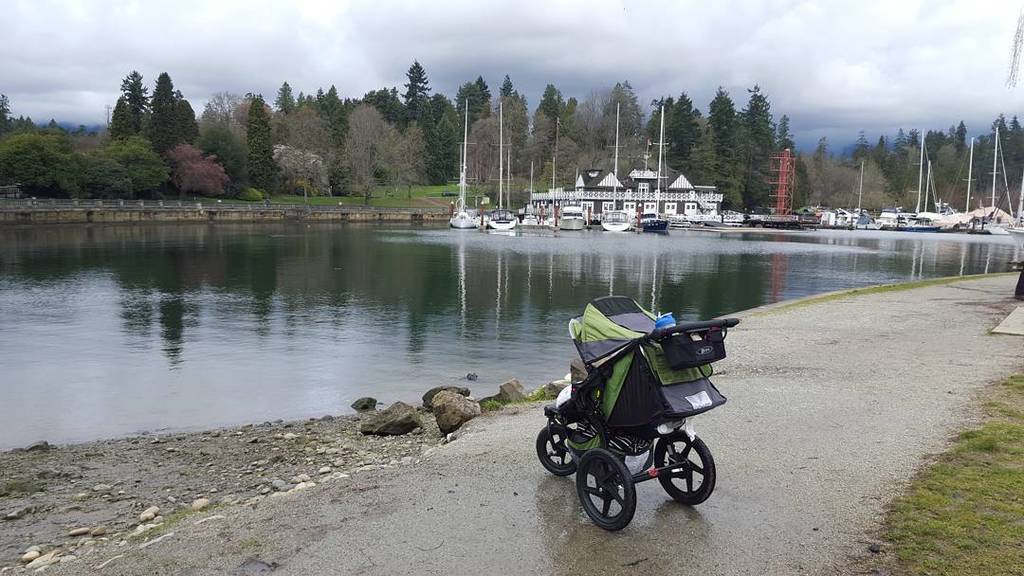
(68, 215)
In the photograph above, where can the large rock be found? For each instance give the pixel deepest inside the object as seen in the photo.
(365, 404)
(577, 370)
(511, 391)
(399, 418)
(452, 410)
(550, 390)
(41, 446)
(428, 396)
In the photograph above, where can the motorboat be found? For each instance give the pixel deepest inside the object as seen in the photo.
(865, 222)
(530, 219)
(502, 219)
(615, 221)
(921, 224)
(571, 218)
(678, 221)
(652, 222)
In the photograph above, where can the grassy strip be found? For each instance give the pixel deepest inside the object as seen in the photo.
(881, 289)
(538, 395)
(964, 514)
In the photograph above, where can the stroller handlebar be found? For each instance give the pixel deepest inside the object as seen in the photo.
(692, 327)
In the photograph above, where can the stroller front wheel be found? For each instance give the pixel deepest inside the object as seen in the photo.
(554, 455)
(605, 489)
(694, 479)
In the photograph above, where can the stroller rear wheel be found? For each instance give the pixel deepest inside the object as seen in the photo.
(694, 479)
(554, 455)
(605, 489)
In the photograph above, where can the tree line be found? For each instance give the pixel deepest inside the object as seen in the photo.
(322, 144)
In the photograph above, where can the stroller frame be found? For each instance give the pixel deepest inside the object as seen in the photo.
(599, 459)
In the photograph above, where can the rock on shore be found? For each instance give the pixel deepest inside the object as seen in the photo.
(397, 419)
(452, 410)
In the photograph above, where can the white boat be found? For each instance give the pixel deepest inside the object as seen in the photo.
(571, 218)
(866, 222)
(502, 219)
(461, 218)
(1017, 233)
(615, 221)
(678, 221)
(893, 218)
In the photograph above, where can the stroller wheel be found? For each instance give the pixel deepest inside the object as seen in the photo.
(605, 488)
(554, 455)
(694, 479)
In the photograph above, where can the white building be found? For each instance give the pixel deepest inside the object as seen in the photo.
(598, 191)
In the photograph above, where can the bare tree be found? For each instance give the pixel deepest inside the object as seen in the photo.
(405, 155)
(303, 167)
(365, 149)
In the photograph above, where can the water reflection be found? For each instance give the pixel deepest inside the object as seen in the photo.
(305, 318)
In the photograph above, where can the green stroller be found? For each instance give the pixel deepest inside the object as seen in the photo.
(627, 421)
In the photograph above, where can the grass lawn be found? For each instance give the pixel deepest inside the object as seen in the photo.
(964, 513)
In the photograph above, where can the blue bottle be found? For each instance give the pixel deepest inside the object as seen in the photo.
(664, 320)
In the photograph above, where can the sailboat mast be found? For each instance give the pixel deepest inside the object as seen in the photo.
(927, 185)
(508, 169)
(554, 154)
(661, 148)
(531, 177)
(995, 159)
(860, 188)
(615, 185)
(501, 149)
(1020, 203)
(970, 169)
(462, 171)
(920, 172)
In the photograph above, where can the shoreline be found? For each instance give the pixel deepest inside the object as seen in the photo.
(105, 486)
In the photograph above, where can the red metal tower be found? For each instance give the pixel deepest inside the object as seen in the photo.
(783, 165)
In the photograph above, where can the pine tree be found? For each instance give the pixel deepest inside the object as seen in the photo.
(417, 92)
(783, 137)
(703, 160)
(186, 127)
(442, 139)
(121, 121)
(725, 127)
(285, 102)
(262, 170)
(682, 130)
(335, 113)
(507, 91)
(961, 137)
(136, 97)
(485, 97)
(759, 136)
(163, 122)
(5, 113)
(861, 148)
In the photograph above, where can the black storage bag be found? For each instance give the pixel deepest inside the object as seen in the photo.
(682, 351)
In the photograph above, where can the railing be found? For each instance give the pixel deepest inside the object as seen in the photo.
(575, 195)
(22, 204)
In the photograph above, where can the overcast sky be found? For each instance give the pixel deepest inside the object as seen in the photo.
(834, 67)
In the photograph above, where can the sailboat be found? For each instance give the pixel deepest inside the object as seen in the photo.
(990, 225)
(616, 220)
(462, 219)
(652, 221)
(864, 220)
(502, 218)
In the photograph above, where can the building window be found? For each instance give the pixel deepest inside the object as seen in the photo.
(670, 207)
(691, 208)
(629, 206)
(588, 208)
(650, 206)
(607, 206)
(643, 187)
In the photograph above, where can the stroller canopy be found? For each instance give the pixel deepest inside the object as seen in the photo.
(607, 325)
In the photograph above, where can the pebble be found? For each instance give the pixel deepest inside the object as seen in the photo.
(30, 556)
(44, 560)
(301, 478)
(290, 436)
(98, 531)
(325, 470)
(149, 513)
(35, 548)
(80, 496)
(79, 532)
(102, 488)
(200, 503)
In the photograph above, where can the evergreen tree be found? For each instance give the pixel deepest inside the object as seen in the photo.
(507, 91)
(703, 159)
(121, 121)
(388, 103)
(783, 137)
(417, 92)
(260, 160)
(185, 120)
(162, 128)
(759, 140)
(960, 137)
(861, 148)
(335, 113)
(136, 97)
(442, 139)
(485, 96)
(478, 99)
(5, 113)
(682, 130)
(285, 102)
(725, 127)
(552, 104)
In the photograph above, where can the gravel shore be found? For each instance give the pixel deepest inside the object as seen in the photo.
(832, 407)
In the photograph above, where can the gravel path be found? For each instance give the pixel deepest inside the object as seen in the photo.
(831, 408)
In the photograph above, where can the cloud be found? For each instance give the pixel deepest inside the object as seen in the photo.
(834, 67)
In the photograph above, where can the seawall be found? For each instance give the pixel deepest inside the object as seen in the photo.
(113, 211)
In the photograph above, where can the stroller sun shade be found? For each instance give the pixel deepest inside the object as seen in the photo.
(607, 325)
